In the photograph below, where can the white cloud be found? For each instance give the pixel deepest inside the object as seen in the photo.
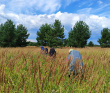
(32, 40)
(102, 8)
(100, 2)
(32, 21)
(68, 2)
(67, 19)
(2, 8)
(84, 11)
(96, 23)
(2, 18)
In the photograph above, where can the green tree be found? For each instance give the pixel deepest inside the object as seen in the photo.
(1, 34)
(104, 41)
(7, 35)
(21, 35)
(55, 35)
(65, 42)
(50, 38)
(79, 35)
(90, 44)
(59, 32)
(71, 39)
(11, 36)
(51, 35)
(41, 34)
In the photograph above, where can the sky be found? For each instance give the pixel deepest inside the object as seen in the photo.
(33, 13)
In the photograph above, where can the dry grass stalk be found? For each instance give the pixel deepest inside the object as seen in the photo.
(20, 67)
(87, 72)
(23, 79)
(18, 87)
(50, 70)
(29, 71)
(65, 75)
(35, 70)
(8, 89)
(71, 82)
(74, 79)
(61, 69)
(109, 88)
(10, 81)
(91, 80)
(43, 82)
(73, 91)
(17, 65)
(101, 83)
(24, 88)
(4, 85)
(60, 90)
(0, 89)
(54, 70)
(24, 58)
(37, 87)
(56, 81)
(97, 83)
(39, 73)
(60, 79)
(71, 75)
(2, 75)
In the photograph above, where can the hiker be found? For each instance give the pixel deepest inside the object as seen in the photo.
(75, 60)
(42, 49)
(52, 52)
(46, 50)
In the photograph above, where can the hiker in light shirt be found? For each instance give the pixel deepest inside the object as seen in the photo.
(75, 60)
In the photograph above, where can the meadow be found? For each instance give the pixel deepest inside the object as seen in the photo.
(26, 70)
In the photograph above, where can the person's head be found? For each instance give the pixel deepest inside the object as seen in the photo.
(70, 50)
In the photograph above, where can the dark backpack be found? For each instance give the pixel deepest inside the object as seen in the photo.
(52, 52)
(46, 50)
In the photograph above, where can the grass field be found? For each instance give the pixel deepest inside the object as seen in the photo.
(25, 70)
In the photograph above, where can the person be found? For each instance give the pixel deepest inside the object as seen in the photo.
(46, 50)
(42, 49)
(52, 52)
(76, 64)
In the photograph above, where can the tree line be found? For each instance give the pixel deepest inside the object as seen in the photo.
(11, 36)
(51, 35)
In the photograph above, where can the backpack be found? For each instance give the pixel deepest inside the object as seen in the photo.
(52, 52)
(46, 50)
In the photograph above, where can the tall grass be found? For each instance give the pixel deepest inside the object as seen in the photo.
(25, 70)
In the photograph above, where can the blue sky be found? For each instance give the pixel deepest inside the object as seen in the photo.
(33, 13)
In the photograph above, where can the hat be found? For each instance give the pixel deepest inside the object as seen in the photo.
(70, 50)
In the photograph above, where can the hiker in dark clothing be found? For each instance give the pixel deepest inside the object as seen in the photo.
(52, 52)
(46, 50)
